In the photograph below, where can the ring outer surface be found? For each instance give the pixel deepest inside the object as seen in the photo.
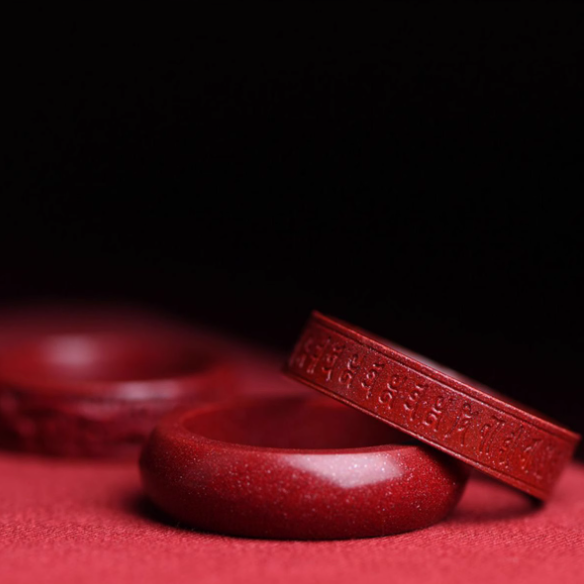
(100, 418)
(515, 445)
(303, 493)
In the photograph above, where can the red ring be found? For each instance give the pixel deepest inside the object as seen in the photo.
(500, 438)
(295, 468)
(100, 394)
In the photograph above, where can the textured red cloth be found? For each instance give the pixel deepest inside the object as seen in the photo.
(67, 521)
(64, 521)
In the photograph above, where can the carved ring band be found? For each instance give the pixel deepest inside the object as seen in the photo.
(435, 405)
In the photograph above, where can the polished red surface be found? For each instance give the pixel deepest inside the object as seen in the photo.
(92, 379)
(505, 440)
(71, 521)
(99, 394)
(295, 468)
(25, 321)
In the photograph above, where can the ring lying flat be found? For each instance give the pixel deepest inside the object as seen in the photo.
(435, 405)
(295, 468)
(100, 394)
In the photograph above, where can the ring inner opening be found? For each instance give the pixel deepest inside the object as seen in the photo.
(294, 423)
(95, 358)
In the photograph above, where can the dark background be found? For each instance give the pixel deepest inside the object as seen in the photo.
(416, 169)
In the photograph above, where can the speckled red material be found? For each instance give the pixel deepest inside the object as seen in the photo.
(100, 394)
(295, 468)
(72, 521)
(23, 322)
(513, 444)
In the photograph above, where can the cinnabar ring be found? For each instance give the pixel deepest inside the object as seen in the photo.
(100, 394)
(295, 468)
(516, 445)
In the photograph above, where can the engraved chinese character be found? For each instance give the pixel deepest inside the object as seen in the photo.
(414, 399)
(318, 348)
(389, 394)
(488, 432)
(302, 352)
(506, 448)
(527, 453)
(349, 373)
(462, 423)
(330, 358)
(434, 416)
(371, 376)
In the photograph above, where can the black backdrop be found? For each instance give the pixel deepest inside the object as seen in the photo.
(414, 168)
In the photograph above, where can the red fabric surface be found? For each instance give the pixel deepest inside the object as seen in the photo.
(74, 521)
(78, 521)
